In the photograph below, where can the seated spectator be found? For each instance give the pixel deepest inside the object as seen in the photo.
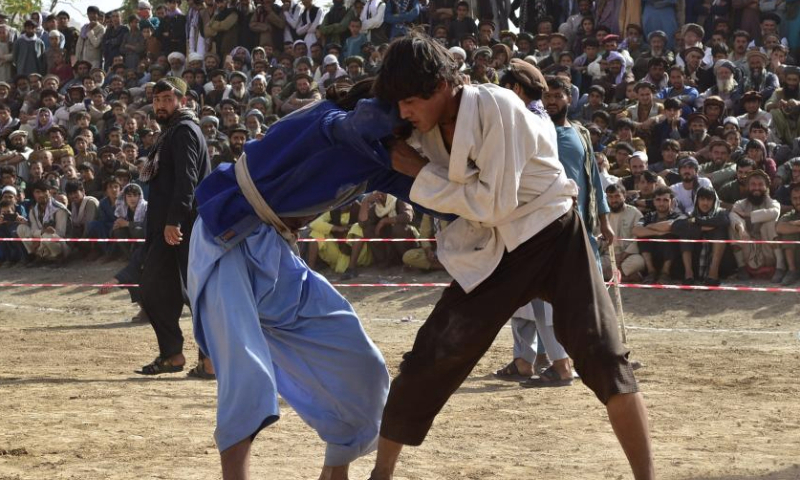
(335, 224)
(686, 190)
(381, 216)
(782, 195)
(753, 112)
(757, 151)
(736, 190)
(11, 216)
(698, 134)
(755, 218)
(424, 258)
(103, 223)
(638, 165)
(47, 219)
(82, 207)
(658, 257)
(602, 164)
(669, 126)
(594, 103)
(788, 229)
(720, 170)
(302, 96)
(622, 154)
(622, 219)
(130, 218)
(667, 168)
(707, 221)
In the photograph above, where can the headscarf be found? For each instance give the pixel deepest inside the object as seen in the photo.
(42, 129)
(122, 209)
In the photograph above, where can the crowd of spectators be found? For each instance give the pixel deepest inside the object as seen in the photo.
(693, 107)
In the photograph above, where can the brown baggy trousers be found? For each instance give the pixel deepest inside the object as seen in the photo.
(556, 265)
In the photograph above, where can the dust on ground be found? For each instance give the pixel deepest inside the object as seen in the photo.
(722, 392)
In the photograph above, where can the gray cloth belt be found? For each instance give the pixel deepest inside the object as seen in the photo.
(254, 198)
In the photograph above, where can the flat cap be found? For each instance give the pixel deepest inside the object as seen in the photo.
(527, 74)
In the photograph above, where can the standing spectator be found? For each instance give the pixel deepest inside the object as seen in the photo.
(194, 27)
(47, 219)
(788, 229)
(707, 221)
(90, 40)
(113, 37)
(29, 51)
(171, 31)
(355, 42)
(309, 21)
(133, 44)
(401, 15)
(177, 163)
(661, 15)
(221, 28)
(268, 22)
(658, 257)
(372, 22)
(755, 217)
(71, 35)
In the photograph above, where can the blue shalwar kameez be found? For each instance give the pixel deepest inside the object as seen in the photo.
(270, 324)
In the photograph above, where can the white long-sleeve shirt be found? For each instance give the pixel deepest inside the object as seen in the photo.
(372, 16)
(502, 178)
(307, 27)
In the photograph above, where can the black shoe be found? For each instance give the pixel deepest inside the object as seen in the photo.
(712, 282)
(689, 281)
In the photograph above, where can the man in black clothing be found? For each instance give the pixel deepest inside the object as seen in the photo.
(177, 163)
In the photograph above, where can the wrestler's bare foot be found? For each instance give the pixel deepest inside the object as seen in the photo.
(334, 473)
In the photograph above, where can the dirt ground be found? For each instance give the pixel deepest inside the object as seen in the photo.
(722, 389)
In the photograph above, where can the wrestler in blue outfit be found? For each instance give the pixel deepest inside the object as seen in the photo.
(270, 324)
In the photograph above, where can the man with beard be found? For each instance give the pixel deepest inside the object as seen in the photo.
(558, 44)
(736, 189)
(755, 218)
(757, 77)
(28, 51)
(176, 164)
(658, 257)
(720, 170)
(638, 165)
(698, 134)
(238, 138)
(706, 221)
(18, 152)
(784, 106)
(677, 89)
(788, 228)
(46, 219)
(302, 96)
(685, 192)
(657, 41)
(727, 88)
(656, 73)
(615, 77)
(738, 54)
(623, 218)
(644, 114)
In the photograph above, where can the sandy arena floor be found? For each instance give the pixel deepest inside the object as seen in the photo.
(724, 396)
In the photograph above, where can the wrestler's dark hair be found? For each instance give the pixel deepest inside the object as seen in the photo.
(414, 66)
(346, 96)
